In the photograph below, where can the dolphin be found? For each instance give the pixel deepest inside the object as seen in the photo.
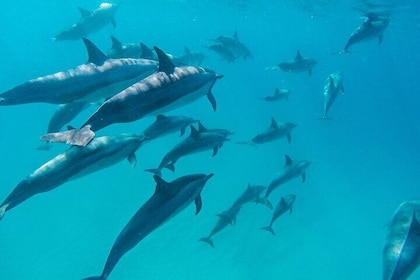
(251, 194)
(226, 218)
(279, 94)
(274, 132)
(99, 78)
(333, 86)
(169, 88)
(189, 58)
(90, 22)
(285, 204)
(401, 253)
(196, 142)
(372, 27)
(74, 163)
(292, 169)
(236, 47)
(220, 131)
(164, 125)
(169, 199)
(223, 52)
(120, 50)
(300, 64)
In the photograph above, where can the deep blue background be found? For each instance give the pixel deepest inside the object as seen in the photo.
(365, 161)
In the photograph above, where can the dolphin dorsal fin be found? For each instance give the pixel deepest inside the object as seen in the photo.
(146, 52)
(273, 123)
(289, 161)
(116, 44)
(298, 56)
(283, 202)
(187, 50)
(201, 127)
(161, 185)
(194, 132)
(235, 35)
(276, 91)
(96, 56)
(249, 186)
(165, 63)
(84, 12)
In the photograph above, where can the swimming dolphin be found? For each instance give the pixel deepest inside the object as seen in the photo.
(120, 50)
(251, 194)
(292, 169)
(226, 218)
(196, 142)
(74, 163)
(300, 64)
(99, 78)
(169, 199)
(189, 58)
(169, 88)
(401, 253)
(333, 86)
(223, 52)
(220, 131)
(164, 125)
(236, 47)
(285, 204)
(373, 27)
(274, 132)
(90, 22)
(278, 94)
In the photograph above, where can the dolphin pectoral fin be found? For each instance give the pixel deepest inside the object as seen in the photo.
(114, 24)
(269, 229)
(132, 159)
(212, 100)
(310, 72)
(215, 150)
(342, 89)
(198, 204)
(208, 241)
(380, 38)
(303, 177)
(289, 138)
(291, 210)
(3, 211)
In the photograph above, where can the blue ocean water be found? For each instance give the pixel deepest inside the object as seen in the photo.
(365, 161)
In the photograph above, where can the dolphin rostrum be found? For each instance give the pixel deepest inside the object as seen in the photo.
(99, 78)
(90, 22)
(285, 204)
(169, 199)
(401, 253)
(292, 169)
(196, 142)
(167, 89)
(274, 132)
(333, 86)
(74, 163)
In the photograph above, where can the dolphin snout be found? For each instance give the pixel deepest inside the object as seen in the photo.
(219, 76)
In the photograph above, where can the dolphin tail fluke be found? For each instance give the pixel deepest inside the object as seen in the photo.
(3, 211)
(78, 137)
(155, 171)
(265, 202)
(208, 241)
(269, 229)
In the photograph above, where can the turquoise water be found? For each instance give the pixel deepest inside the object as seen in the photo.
(365, 161)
